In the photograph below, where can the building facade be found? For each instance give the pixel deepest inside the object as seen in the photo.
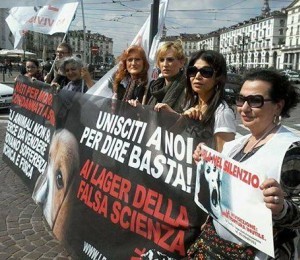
(269, 40)
(99, 48)
(255, 43)
(290, 49)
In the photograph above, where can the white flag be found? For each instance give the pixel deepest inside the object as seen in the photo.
(14, 3)
(54, 17)
(104, 85)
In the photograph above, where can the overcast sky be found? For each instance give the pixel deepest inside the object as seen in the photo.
(121, 20)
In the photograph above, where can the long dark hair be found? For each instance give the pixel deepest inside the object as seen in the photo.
(218, 63)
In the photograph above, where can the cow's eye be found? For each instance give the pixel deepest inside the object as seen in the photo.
(59, 180)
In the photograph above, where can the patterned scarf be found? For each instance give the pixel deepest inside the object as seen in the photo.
(210, 246)
(132, 84)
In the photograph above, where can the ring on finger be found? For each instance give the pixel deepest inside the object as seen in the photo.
(276, 200)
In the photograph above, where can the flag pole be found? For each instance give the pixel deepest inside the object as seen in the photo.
(153, 31)
(84, 32)
(153, 21)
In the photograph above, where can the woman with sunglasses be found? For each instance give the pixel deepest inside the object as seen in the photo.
(131, 77)
(204, 100)
(272, 150)
(169, 87)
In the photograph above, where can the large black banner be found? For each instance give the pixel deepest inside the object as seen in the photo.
(114, 181)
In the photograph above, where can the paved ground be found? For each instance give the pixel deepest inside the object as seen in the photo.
(24, 234)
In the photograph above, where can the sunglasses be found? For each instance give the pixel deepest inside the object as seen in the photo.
(206, 72)
(254, 101)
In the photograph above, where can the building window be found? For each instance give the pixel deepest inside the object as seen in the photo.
(281, 31)
(267, 57)
(281, 22)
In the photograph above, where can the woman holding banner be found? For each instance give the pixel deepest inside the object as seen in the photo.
(79, 78)
(205, 101)
(272, 150)
(32, 70)
(170, 87)
(131, 78)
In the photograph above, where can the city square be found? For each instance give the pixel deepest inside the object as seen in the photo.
(126, 178)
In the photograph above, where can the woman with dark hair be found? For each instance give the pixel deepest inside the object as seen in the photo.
(32, 70)
(204, 99)
(131, 78)
(270, 150)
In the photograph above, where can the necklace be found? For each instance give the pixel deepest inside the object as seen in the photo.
(256, 143)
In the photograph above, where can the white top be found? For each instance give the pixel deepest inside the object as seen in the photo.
(273, 153)
(225, 120)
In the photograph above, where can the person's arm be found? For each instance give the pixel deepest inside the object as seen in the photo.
(289, 212)
(49, 77)
(225, 127)
(221, 138)
(163, 106)
(87, 77)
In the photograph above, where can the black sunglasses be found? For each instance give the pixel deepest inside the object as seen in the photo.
(254, 101)
(206, 72)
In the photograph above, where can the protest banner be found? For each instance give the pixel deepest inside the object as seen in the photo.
(233, 193)
(119, 182)
(135, 180)
(30, 127)
(113, 176)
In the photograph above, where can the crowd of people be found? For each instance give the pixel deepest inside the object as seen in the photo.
(195, 89)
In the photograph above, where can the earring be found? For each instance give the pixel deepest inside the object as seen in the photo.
(277, 120)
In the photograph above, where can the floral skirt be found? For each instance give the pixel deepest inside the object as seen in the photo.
(210, 246)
